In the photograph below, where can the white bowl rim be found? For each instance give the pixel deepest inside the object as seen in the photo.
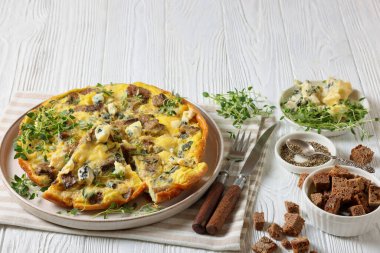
(364, 102)
(317, 136)
(368, 176)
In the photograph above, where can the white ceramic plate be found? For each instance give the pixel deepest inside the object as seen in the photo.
(355, 95)
(49, 211)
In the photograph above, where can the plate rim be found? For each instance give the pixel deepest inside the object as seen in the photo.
(35, 208)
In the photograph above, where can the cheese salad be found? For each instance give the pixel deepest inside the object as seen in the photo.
(327, 93)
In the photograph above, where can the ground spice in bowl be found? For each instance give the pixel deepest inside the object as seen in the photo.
(311, 161)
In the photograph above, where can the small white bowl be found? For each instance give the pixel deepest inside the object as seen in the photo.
(306, 136)
(336, 224)
(355, 95)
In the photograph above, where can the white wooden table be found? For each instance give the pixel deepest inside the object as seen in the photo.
(190, 46)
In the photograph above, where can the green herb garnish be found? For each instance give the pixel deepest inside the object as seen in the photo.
(128, 209)
(25, 187)
(317, 117)
(40, 129)
(114, 209)
(104, 90)
(231, 134)
(72, 212)
(170, 105)
(240, 105)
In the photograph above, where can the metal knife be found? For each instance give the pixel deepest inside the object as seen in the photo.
(230, 198)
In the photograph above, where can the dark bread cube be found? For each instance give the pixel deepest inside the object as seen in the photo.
(345, 193)
(326, 196)
(313, 251)
(366, 181)
(357, 210)
(258, 220)
(275, 231)
(357, 184)
(362, 199)
(321, 182)
(293, 224)
(361, 155)
(374, 196)
(302, 179)
(338, 171)
(264, 245)
(338, 182)
(286, 244)
(300, 245)
(292, 207)
(333, 204)
(317, 199)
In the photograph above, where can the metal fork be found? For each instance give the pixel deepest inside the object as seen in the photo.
(236, 154)
(237, 151)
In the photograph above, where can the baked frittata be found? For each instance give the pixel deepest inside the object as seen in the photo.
(108, 144)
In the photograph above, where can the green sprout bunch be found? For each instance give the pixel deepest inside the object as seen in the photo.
(240, 105)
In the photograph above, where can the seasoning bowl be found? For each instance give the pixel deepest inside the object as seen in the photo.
(306, 136)
(334, 224)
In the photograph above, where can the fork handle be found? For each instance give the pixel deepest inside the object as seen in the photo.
(208, 207)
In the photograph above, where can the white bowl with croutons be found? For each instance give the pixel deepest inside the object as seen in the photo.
(337, 224)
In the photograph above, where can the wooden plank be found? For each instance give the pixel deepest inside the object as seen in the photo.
(195, 50)
(134, 43)
(17, 26)
(361, 19)
(258, 55)
(65, 49)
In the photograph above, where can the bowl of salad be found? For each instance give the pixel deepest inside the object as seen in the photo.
(330, 107)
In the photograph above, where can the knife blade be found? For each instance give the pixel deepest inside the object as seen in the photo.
(230, 198)
(254, 156)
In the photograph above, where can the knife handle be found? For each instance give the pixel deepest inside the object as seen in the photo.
(224, 209)
(208, 207)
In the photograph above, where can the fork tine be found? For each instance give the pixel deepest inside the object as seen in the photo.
(246, 142)
(236, 141)
(241, 142)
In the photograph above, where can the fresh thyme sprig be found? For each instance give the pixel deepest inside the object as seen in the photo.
(71, 212)
(240, 105)
(170, 105)
(128, 209)
(25, 187)
(317, 117)
(41, 127)
(104, 90)
(114, 209)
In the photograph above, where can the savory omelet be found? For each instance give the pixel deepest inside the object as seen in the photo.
(108, 144)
